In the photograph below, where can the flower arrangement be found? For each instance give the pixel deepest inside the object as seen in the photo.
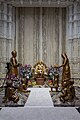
(25, 71)
(51, 73)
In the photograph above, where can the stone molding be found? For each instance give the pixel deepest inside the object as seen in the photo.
(39, 3)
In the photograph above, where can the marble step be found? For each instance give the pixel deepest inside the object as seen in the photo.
(39, 97)
(46, 113)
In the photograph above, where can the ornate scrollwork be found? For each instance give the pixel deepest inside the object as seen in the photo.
(40, 69)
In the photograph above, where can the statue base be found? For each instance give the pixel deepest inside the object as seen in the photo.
(40, 81)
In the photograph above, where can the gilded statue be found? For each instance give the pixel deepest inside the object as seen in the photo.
(40, 69)
(67, 88)
(40, 72)
(23, 86)
(10, 93)
(68, 91)
(66, 75)
(56, 80)
(14, 64)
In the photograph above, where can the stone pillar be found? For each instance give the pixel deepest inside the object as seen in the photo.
(75, 21)
(57, 35)
(60, 35)
(40, 42)
(63, 29)
(45, 35)
(21, 36)
(36, 35)
(16, 31)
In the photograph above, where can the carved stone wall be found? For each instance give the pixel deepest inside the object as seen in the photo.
(20, 35)
(7, 34)
(73, 38)
(41, 30)
(40, 33)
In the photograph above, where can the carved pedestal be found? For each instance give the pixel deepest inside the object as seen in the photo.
(40, 81)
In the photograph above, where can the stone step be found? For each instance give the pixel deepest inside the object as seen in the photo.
(39, 97)
(43, 113)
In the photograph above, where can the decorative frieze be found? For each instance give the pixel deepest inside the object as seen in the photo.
(39, 3)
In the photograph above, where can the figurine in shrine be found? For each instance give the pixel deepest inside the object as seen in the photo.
(68, 91)
(40, 72)
(67, 88)
(14, 64)
(66, 68)
(23, 86)
(10, 93)
(56, 79)
(40, 69)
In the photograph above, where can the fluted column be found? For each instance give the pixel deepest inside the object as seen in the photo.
(21, 35)
(40, 42)
(60, 35)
